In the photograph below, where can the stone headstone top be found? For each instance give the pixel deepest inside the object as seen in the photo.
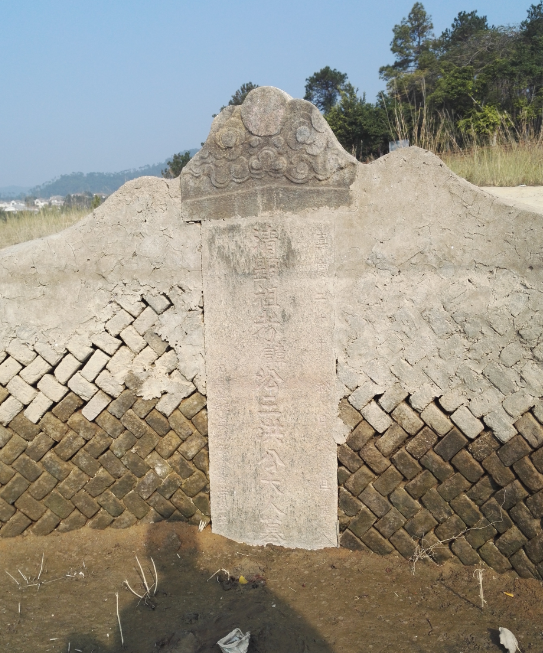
(271, 153)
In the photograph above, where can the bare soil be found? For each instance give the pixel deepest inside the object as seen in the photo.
(294, 601)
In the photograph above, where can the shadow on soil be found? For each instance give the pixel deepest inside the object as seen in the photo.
(190, 611)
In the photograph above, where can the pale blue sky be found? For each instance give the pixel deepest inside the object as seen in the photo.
(105, 85)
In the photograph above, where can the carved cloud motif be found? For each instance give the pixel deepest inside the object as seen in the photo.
(270, 135)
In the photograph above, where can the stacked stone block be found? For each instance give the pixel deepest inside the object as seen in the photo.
(427, 477)
(78, 446)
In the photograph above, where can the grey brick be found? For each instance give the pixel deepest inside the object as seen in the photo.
(58, 504)
(404, 543)
(110, 424)
(453, 486)
(377, 542)
(69, 445)
(194, 484)
(192, 405)
(388, 481)
(67, 406)
(85, 504)
(135, 464)
(439, 468)
(523, 565)
(419, 525)
(170, 484)
(406, 464)
(124, 485)
(514, 450)
(480, 533)
(192, 445)
(501, 475)
(181, 425)
(37, 449)
(450, 528)
(101, 520)
(113, 465)
(528, 474)
(158, 422)
(200, 421)
(348, 458)
(13, 449)
(109, 502)
(73, 522)
(511, 541)
(148, 484)
(136, 505)
(465, 552)
(466, 464)
(439, 508)
(46, 524)
(524, 520)
(99, 483)
(41, 488)
(407, 418)
(374, 458)
(404, 503)
(13, 490)
(72, 483)
(422, 442)
(123, 443)
(393, 438)
(361, 435)
(183, 503)
(375, 501)
(99, 443)
(390, 523)
(348, 503)
(31, 508)
(124, 402)
(421, 484)
(86, 463)
(483, 446)
(451, 444)
(531, 430)
(493, 558)
(27, 468)
(16, 525)
(466, 510)
(511, 494)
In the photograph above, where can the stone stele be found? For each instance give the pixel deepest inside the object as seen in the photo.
(268, 286)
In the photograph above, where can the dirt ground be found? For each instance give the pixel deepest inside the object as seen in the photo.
(294, 601)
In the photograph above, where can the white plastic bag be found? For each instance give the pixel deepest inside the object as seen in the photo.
(508, 640)
(235, 642)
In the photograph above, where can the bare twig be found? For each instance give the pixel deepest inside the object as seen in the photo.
(156, 577)
(479, 573)
(119, 619)
(134, 593)
(143, 576)
(7, 572)
(217, 572)
(41, 566)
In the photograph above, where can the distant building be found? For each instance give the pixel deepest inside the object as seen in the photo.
(15, 206)
(56, 200)
(41, 203)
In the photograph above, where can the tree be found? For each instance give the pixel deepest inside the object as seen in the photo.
(324, 87)
(177, 163)
(465, 25)
(411, 39)
(239, 96)
(361, 127)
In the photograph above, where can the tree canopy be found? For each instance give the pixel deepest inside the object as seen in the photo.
(176, 164)
(324, 87)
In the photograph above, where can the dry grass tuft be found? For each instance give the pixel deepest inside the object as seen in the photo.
(510, 164)
(20, 227)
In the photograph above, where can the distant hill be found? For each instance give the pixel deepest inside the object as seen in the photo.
(95, 182)
(13, 192)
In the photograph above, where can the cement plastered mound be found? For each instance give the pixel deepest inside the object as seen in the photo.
(438, 288)
(436, 295)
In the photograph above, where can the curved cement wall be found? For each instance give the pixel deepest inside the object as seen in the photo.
(435, 306)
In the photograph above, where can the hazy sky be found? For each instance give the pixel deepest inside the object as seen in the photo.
(106, 85)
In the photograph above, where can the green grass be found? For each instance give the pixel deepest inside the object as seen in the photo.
(511, 164)
(20, 227)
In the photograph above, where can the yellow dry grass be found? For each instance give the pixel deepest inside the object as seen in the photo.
(20, 227)
(511, 164)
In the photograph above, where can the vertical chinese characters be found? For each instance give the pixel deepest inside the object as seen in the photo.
(268, 330)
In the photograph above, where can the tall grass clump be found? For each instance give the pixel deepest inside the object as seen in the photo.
(488, 151)
(27, 225)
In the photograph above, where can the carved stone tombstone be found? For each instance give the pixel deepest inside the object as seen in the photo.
(268, 285)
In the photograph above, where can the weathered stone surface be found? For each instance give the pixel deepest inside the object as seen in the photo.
(252, 160)
(264, 288)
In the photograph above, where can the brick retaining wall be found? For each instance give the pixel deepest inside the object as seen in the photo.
(408, 477)
(71, 454)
